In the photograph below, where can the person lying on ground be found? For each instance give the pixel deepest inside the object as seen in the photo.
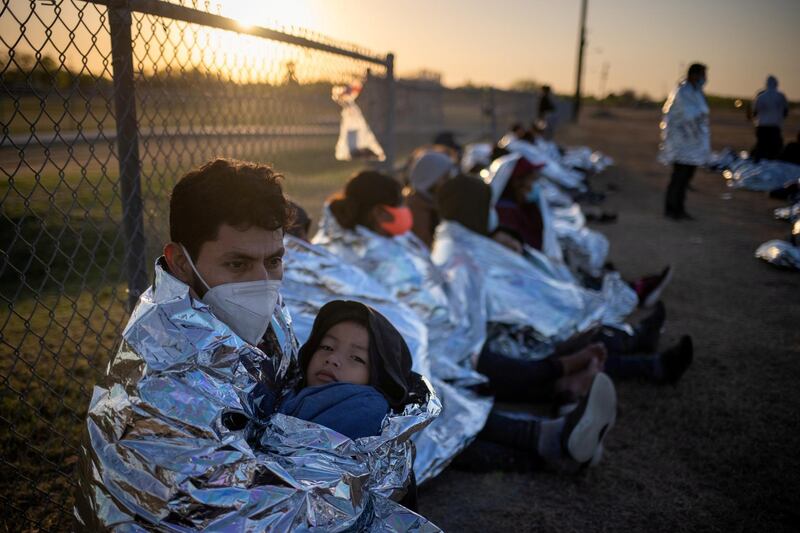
(466, 201)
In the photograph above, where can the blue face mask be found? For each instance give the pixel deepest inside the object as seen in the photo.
(701, 83)
(533, 195)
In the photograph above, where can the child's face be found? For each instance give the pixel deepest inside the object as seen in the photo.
(342, 355)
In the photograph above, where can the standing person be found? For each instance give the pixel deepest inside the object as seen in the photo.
(686, 138)
(547, 112)
(769, 109)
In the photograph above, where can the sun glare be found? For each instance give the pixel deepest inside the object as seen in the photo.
(269, 13)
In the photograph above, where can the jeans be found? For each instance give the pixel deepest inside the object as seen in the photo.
(507, 442)
(621, 363)
(519, 380)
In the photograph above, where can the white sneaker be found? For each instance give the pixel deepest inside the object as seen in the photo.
(590, 422)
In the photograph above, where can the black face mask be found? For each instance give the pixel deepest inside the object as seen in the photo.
(389, 356)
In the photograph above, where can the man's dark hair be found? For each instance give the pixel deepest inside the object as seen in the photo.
(225, 191)
(696, 69)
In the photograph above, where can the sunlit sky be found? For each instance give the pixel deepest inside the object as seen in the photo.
(646, 44)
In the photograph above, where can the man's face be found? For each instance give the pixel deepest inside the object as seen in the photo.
(236, 255)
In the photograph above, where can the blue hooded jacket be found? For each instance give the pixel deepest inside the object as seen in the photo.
(355, 411)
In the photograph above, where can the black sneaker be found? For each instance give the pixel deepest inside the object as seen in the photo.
(677, 360)
(588, 424)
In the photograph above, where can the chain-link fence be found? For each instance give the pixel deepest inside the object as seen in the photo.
(104, 104)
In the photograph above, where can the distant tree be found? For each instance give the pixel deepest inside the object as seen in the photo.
(526, 85)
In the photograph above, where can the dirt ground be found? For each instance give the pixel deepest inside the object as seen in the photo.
(720, 450)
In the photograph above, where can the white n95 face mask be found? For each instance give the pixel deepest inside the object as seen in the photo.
(246, 307)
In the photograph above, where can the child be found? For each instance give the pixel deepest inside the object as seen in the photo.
(356, 369)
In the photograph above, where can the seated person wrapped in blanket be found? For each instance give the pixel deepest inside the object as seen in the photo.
(530, 304)
(359, 229)
(401, 265)
(185, 434)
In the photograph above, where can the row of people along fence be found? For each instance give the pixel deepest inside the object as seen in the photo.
(104, 105)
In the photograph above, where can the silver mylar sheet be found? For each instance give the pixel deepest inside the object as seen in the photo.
(780, 253)
(790, 213)
(456, 332)
(516, 292)
(585, 158)
(762, 176)
(312, 277)
(685, 129)
(584, 248)
(553, 168)
(565, 235)
(530, 290)
(159, 453)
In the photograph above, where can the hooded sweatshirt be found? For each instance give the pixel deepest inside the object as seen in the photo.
(770, 106)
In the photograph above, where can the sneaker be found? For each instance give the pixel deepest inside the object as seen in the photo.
(588, 424)
(677, 360)
(649, 288)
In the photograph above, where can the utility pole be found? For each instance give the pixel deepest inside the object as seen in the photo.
(576, 107)
(603, 79)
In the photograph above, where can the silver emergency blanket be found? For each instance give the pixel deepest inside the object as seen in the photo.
(161, 452)
(584, 158)
(313, 276)
(553, 169)
(765, 175)
(585, 249)
(566, 236)
(456, 331)
(476, 154)
(790, 213)
(685, 132)
(780, 253)
(528, 290)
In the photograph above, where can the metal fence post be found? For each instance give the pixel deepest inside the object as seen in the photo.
(128, 151)
(391, 97)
